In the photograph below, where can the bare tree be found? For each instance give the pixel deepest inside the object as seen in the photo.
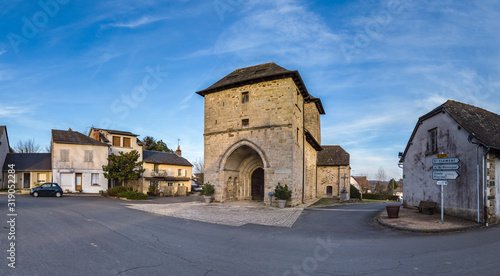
(47, 149)
(381, 174)
(28, 146)
(199, 169)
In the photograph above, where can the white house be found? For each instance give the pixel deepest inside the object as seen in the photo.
(77, 162)
(468, 133)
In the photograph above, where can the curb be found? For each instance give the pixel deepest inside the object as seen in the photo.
(425, 231)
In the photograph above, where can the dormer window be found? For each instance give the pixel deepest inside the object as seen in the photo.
(126, 142)
(116, 141)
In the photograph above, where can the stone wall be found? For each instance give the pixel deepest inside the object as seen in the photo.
(333, 176)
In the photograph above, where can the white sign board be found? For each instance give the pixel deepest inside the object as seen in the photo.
(446, 167)
(444, 175)
(445, 160)
(442, 182)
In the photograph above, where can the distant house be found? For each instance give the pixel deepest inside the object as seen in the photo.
(169, 171)
(455, 130)
(363, 183)
(77, 162)
(333, 171)
(123, 141)
(32, 169)
(355, 183)
(4, 149)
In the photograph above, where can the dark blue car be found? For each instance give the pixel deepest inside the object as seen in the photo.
(47, 189)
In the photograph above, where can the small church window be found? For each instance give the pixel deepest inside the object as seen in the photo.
(245, 122)
(244, 97)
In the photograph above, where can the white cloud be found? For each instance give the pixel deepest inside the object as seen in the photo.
(3, 51)
(11, 111)
(138, 22)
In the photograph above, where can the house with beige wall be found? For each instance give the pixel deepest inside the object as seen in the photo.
(31, 169)
(169, 171)
(123, 141)
(4, 149)
(334, 171)
(77, 162)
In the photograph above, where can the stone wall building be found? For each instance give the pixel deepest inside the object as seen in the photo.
(334, 172)
(262, 127)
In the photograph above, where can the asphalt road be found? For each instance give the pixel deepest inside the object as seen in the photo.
(98, 236)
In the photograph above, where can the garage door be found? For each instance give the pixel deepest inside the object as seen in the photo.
(67, 181)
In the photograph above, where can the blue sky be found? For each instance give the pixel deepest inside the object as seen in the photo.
(135, 65)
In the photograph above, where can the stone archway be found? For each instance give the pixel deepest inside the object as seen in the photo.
(237, 168)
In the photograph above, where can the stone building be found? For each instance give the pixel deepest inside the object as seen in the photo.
(262, 127)
(334, 172)
(469, 134)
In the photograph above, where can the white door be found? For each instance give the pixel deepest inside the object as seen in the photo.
(67, 182)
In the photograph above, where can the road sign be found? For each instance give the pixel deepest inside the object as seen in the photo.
(442, 182)
(446, 167)
(445, 160)
(445, 175)
(442, 155)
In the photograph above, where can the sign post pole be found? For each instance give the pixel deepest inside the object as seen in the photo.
(442, 207)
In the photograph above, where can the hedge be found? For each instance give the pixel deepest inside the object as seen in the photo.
(355, 192)
(133, 195)
(380, 197)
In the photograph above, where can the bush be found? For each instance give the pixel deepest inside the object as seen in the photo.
(133, 195)
(380, 197)
(116, 190)
(354, 192)
(153, 189)
(208, 189)
(282, 192)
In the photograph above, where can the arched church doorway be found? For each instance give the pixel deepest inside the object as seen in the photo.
(258, 184)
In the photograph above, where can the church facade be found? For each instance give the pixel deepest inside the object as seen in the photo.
(262, 127)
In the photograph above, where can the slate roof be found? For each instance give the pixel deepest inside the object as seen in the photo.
(117, 132)
(484, 124)
(73, 137)
(333, 156)
(29, 161)
(168, 158)
(259, 73)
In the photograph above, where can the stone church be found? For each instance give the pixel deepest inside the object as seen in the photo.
(262, 127)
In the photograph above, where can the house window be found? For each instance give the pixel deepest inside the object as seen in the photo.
(116, 141)
(185, 173)
(179, 172)
(126, 142)
(244, 97)
(41, 177)
(88, 156)
(179, 184)
(170, 171)
(245, 122)
(95, 179)
(157, 168)
(432, 146)
(170, 184)
(64, 155)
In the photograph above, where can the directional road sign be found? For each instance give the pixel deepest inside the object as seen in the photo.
(445, 160)
(445, 175)
(446, 167)
(442, 182)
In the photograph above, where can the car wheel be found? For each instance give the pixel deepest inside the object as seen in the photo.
(58, 194)
(35, 194)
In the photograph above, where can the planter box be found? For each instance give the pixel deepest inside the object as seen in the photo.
(208, 199)
(281, 203)
(392, 211)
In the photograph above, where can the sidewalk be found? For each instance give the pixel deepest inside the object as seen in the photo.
(413, 221)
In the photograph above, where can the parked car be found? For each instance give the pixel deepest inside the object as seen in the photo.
(47, 189)
(195, 188)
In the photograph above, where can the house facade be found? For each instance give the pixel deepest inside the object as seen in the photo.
(472, 136)
(123, 141)
(77, 162)
(31, 169)
(334, 171)
(262, 127)
(4, 150)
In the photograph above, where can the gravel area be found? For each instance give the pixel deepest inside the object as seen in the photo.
(234, 214)
(411, 219)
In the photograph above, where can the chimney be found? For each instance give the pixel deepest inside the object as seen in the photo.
(178, 151)
(96, 135)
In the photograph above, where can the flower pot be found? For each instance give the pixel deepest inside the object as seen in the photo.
(392, 211)
(281, 203)
(208, 199)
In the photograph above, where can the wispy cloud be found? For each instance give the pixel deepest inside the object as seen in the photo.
(2, 51)
(11, 111)
(137, 23)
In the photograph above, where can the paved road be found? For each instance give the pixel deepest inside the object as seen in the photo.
(98, 236)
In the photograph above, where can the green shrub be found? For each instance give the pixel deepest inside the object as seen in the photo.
(133, 195)
(208, 189)
(380, 197)
(354, 192)
(153, 189)
(113, 192)
(282, 192)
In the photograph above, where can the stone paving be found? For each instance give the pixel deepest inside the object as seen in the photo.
(233, 213)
